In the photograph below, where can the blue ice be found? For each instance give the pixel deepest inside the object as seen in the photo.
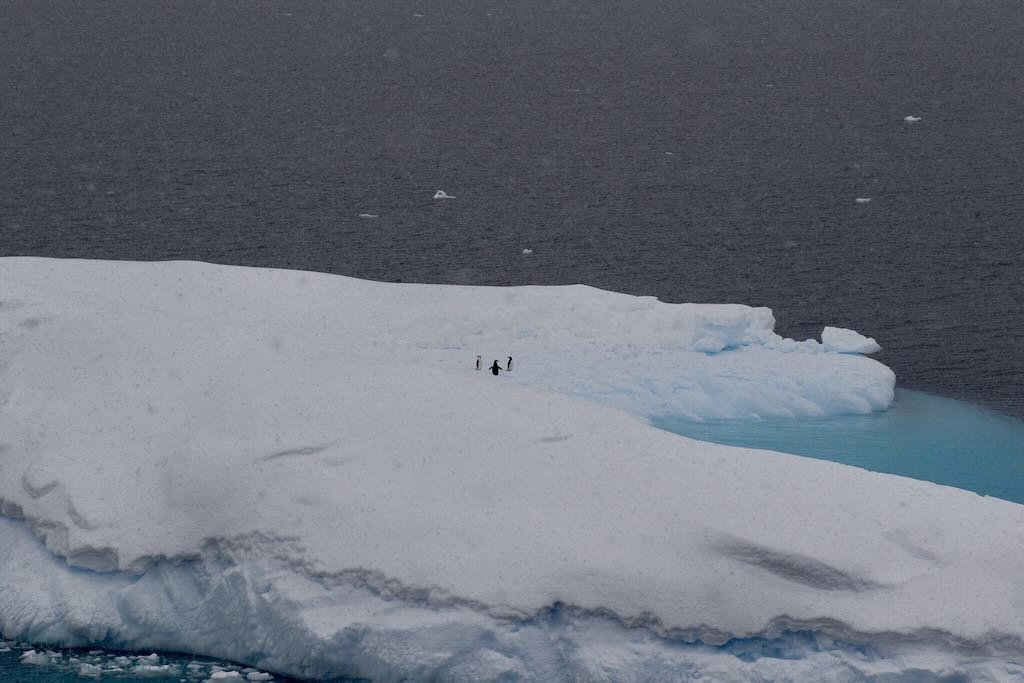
(921, 436)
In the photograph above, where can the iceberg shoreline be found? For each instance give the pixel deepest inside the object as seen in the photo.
(254, 463)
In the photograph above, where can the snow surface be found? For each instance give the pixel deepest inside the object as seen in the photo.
(304, 473)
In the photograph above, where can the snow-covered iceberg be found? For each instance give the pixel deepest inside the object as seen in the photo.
(304, 473)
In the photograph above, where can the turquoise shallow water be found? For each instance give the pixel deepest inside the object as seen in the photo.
(921, 436)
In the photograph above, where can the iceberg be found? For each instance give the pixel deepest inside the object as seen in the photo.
(304, 473)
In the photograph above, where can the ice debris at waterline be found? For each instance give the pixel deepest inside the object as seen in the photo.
(20, 662)
(304, 473)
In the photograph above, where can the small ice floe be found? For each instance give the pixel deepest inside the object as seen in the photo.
(418, 15)
(86, 670)
(225, 676)
(154, 671)
(35, 658)
(368, 215)
(670, 154)
(862, 200)
(911, 119)
(441, 194)
(527, 252)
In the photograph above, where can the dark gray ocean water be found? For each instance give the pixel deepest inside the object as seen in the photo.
(696, 151)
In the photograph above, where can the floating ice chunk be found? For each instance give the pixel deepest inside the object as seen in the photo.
(527, 252)
(368, 215)
(154, 671)
(841, 340)
(863, 200)
(259, 676)
(35, 658)
(228, 676)
(90, 670)
(441, 194)
(911, 119)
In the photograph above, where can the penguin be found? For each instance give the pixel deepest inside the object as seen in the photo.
(509, 368)
(495, 369)
(478, 362)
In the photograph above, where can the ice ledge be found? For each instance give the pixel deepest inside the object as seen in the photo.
(266, 611)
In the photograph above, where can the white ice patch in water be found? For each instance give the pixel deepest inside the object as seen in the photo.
(86, 670)
(34, 658)
(441, 194)
(911, 119)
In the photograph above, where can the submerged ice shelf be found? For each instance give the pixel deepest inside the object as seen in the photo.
(921, 436)
(304, 473)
